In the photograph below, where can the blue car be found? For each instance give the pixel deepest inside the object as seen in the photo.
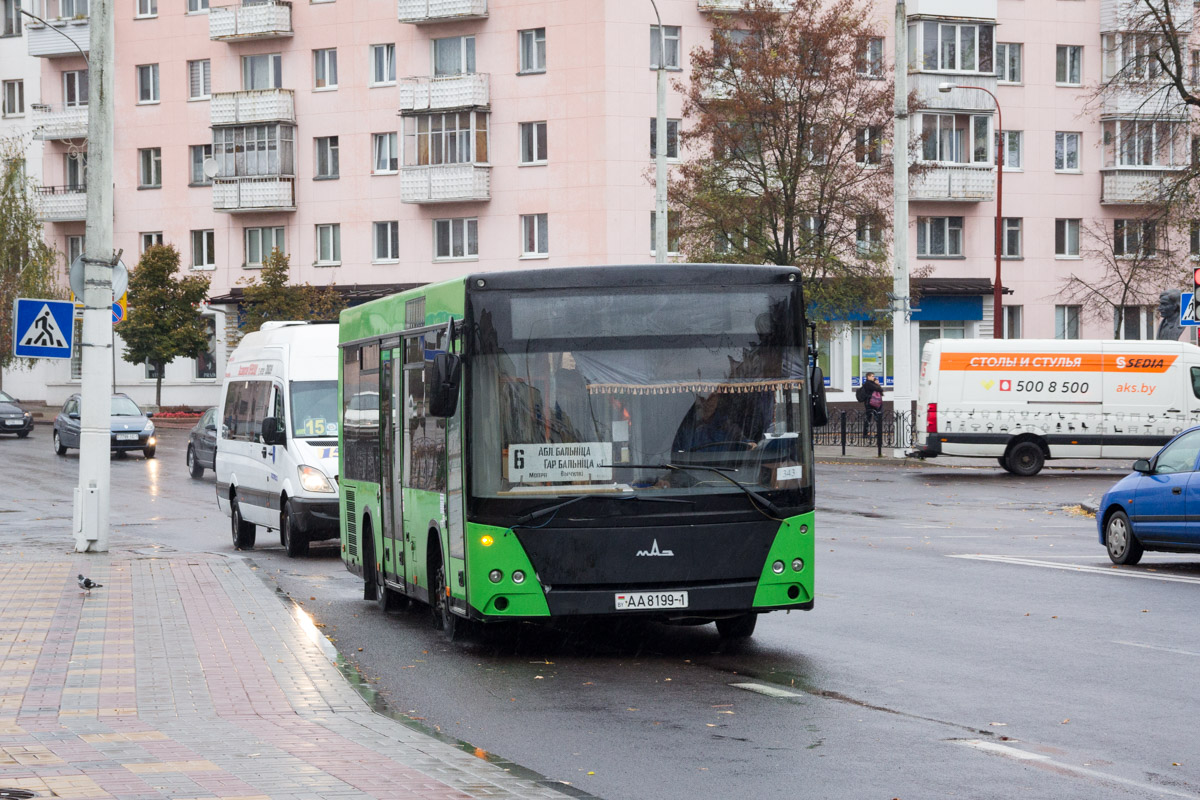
(1157, 506)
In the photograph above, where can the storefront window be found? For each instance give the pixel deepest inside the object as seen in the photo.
(872, 352)
(941, 329)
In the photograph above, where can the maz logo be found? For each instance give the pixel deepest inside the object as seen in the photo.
(654, 551)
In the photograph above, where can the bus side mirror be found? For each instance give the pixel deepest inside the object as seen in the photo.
(443, 397)
(820, 411)
(272, 431)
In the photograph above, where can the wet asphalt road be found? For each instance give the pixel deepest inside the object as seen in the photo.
(970, 639)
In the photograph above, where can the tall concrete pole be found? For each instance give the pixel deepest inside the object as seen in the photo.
(904, 385)
(92, 497)
(660, 149)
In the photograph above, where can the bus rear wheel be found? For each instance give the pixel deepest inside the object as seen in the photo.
(739, 627)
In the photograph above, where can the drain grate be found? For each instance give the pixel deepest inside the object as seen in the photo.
(16, 794)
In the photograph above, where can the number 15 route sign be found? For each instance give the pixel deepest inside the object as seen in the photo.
(43, 328)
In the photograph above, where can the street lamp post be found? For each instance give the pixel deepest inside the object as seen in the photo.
(660, 148)
(997, 288)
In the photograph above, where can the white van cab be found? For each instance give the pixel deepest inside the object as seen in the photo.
(277, 450)
(1022, 401)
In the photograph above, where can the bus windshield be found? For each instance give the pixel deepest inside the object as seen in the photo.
(314, 409)
(684, 393)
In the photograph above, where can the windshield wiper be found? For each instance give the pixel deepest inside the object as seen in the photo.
(525, 519)
(753, 495)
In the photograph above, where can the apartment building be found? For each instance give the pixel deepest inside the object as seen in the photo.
(20, 88)
(383, 143)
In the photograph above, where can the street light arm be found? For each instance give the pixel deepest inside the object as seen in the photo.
(60, 33)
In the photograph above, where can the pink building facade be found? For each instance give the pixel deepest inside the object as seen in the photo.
(383, 143)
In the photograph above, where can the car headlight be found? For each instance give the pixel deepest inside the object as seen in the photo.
(149, 428)
(313, 480)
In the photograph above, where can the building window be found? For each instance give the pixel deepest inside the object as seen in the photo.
(248, 150)
(948, 47)
(535, 240)
(387, 153)
(326, 148)
(199, 79)
(75, 246)
(1012, 322)
(206, 362)
(533, 143)
(533, 49)
(197, 6)
(75, 88)
(1068, 65)
(259, 244)
(329, 244)
(197, 154)
(455, 238)
(670, 36)
(956, 138)
(672, 138)
(1131, 56)
(1066, 152)
(1135, 322)
(262, 71)
(147, 83)
(1013, 150)
(14, 98)
(75, 171)
(150, 168)
(868, 145)
(1066, 238)
(204, 248)
(939, 236)
(1008, 62)
(325, 69)
(1134, 237)
(387, 241)
(147, 8)
(455, 55)
(1011, 237)
(383, 64)
(12, 17)
(870, 57)
(456, 138)
(868, 236)
(1143, 143)
(1066, 322)
(150, 239)
(672, 234)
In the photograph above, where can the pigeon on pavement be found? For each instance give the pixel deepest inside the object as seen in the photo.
(87, 584)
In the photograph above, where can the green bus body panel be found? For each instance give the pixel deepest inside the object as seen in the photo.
(385, 316)
(789, 544)
(507, 555)
(423, 509)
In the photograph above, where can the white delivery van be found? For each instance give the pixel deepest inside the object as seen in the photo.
(1022, 401)
(277, 435)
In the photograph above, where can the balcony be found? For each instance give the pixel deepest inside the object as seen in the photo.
(420, 12)
(54, 40)
(445, 183)
(443, 93)
(254, 194)
(729, 6)
(964, 9)
(958, 183)
(252, 107)
(271, 20)
(1124, 15)
(62, 203)
(1136, 186)
(925, 84)
(1158, 102)
(59, 122)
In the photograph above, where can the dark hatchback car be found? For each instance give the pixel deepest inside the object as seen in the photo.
(131, 427)
(202, 444)
(13, 418)
(1154, 507)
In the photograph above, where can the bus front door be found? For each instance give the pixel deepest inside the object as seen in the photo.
(390, 409)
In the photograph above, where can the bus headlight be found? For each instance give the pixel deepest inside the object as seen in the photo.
(313, 480)
(797, 564)
(777, 567)
(518, 577)
(495, 576)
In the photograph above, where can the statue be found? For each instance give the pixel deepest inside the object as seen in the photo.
(1168, 308)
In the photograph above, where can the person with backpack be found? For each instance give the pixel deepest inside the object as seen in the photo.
(870, 394)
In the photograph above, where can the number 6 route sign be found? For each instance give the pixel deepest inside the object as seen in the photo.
(43, 328)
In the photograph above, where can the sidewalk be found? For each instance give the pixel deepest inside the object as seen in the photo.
(187, 677)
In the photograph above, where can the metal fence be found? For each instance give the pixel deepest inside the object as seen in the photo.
(857, 428)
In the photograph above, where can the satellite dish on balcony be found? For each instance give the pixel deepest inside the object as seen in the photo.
(211, 167)
(120, 278)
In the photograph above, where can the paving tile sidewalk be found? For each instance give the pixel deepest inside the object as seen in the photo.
(186, 677)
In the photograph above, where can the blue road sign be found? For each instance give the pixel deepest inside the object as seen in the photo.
(1187, 312)
(43, 328)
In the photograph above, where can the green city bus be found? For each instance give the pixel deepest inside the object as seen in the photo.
(589, 441)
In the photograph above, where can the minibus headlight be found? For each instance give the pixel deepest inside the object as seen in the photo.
(313, 480)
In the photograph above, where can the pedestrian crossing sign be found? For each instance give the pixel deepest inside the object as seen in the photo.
(43, 328)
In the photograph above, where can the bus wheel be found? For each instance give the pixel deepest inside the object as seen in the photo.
(1025, 459)
(294, 541)
(739, 627)
(243, 531)
(452, 626)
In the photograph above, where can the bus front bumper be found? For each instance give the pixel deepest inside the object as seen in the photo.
(704, 602)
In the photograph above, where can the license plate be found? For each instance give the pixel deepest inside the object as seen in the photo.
(640, 601)
(13, 421)
(127, 437)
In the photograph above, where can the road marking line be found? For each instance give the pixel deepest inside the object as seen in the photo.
(1158, 647)
(1003, 750)
(1029, 562)
(769, 691)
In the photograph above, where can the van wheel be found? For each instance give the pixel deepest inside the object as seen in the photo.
(1123, 546)
(1025, 459)
(1003, 461)
(294, 541)
(194, 466)
(243, 531)
(739, 627)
